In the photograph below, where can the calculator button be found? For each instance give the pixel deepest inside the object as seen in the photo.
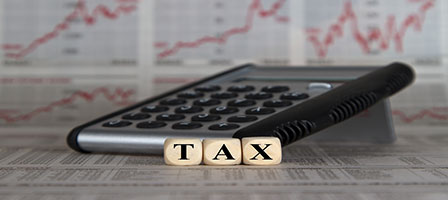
(241, 88)
(294, 96)
(190, 95)
(275, 89)
(242, 118)
(208, 88)
(260, 111)
(154, 109)
(223, 126)
(241, 102)
(187, 125)
(277, 103)
(259, 95)
(320, 86)
(224, 95)
(136, 116)
(170, 117)
(117, 123)
(188, 109)
(223, 110)
(205, 118)
(173, 102)
(151, 124)
(207, 102)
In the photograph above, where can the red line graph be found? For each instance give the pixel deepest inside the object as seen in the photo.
(393, 32)
(117, 96)
(433, 113)
(255, 9)
(81, 11)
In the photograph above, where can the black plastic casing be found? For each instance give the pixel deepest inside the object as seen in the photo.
(334, 106)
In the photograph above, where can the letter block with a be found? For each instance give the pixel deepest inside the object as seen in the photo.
(183, 151)
(261, 151)
(222, 151)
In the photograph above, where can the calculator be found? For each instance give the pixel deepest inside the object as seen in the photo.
(290, 103)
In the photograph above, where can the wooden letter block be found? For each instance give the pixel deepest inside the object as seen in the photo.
(261, 150)
(222, 151)
(183, 151)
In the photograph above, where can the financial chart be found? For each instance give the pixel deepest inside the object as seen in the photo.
(221, 32)
(375, 30)
(58, 101)
(69, 32)
(65, 61)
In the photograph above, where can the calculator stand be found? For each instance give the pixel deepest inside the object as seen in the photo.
(372, 126)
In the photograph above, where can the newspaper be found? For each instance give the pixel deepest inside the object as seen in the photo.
(41, 166)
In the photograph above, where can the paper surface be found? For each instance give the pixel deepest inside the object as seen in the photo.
(415, 167)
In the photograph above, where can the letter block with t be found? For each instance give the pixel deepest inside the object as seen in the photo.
(261, 151)
(223, 151)
(183, 151)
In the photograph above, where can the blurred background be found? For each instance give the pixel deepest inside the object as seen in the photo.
(64, 62)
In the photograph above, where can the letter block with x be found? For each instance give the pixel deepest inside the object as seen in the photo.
(261, 151)
(222, 151)
(183, 151)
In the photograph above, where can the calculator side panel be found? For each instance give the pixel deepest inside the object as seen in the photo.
(72, 138)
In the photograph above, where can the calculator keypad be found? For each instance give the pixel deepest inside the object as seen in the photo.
(154, 109)
(223, 110)
(136, 116)
(223, 126)
(241, 103)
(205, 118)
(187, 125)
(170, 117)
(212, 107)
(224, 95)
(277, 103)
(117, 123)
(151, 124)
(188, 109)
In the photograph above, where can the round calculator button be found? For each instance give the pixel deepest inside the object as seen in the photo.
(241, 102)
(173, 102)
(224, 95)
(242, 118)
(275, 88)
(208, 88)
(190, 95)
(294, 96)
(186, 125)
(170, 117)
(223, 126)
(260, 111)
(136, 116)
(277, 103)
(154, 109)
(241, 88)
(117, 123)
(259, 95)
(205, 118)
(151, 124)
(223, 110)
(207, 102)
(188, 109)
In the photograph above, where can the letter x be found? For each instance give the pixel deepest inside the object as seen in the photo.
(261, 152)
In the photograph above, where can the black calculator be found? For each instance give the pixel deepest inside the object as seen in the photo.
(286, 102)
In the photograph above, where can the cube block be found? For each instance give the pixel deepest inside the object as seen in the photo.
(222, 151)
(261, 150)
(183, 151)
